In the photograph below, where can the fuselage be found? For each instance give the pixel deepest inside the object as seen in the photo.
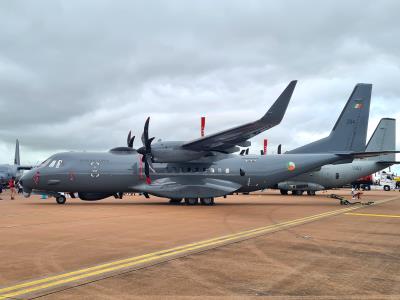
(111, 172)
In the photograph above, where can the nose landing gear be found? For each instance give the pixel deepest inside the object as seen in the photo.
(61, 199)
(175, 200)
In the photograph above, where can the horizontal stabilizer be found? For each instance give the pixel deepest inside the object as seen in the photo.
(383, 162)
(367, 154)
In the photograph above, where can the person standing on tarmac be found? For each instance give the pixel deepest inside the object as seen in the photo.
(11, 185)
(1, 189)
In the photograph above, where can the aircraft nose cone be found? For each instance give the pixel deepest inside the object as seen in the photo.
(27, 181)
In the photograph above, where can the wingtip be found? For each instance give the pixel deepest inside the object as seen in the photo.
(277, 111)
(363, 84)
(291, 86)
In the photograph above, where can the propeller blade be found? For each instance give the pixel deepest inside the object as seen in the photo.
(145, 150)
(130, 144)
(146, 168)
(147, 172)
(150, 141)
(145, 135)
(279, 149)
(128, 139)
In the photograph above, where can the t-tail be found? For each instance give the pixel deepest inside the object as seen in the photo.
(383, 139)
(350, 131)
(17, 160)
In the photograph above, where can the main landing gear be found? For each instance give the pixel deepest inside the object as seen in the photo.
(175, 201)
(207, 201)
(297, 193)
(193, 201)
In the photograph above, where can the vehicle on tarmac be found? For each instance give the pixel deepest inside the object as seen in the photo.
(201, 169)
(383, 181)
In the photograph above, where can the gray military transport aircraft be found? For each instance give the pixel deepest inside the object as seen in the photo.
(201, 169)
(8, 171)
(331, 176)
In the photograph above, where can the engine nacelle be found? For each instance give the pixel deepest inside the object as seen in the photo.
(172, 152)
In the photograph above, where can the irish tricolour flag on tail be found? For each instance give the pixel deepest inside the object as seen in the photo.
(358, 105)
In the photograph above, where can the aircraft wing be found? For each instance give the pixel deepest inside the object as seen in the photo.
(24, 167)
(238, 136)
(175, 187)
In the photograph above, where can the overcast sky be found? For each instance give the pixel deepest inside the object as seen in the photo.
(78, 75)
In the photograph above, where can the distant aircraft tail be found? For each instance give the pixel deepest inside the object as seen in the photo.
(17, 160)
(383, 139)
(350, 131)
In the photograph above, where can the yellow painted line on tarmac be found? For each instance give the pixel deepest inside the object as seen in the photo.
(103, 269)
(373, 215)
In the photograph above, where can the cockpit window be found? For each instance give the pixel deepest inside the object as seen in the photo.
(59, 163)
(52, 164)
(45, 162)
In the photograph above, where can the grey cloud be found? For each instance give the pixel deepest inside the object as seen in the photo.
(79, 75)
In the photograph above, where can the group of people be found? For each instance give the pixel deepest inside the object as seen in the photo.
(11, 186)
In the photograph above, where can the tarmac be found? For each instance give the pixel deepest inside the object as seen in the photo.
(259, 245)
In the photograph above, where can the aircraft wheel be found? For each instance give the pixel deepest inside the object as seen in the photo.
(191, 201)
(297, 193)
(311, 193)
(386, 188)
(61, 199)
(284, 192)
(175, 200)
(207, 201)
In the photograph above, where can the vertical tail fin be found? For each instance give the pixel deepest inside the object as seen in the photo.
(350, 130)
(383, 139)
(17, 160)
